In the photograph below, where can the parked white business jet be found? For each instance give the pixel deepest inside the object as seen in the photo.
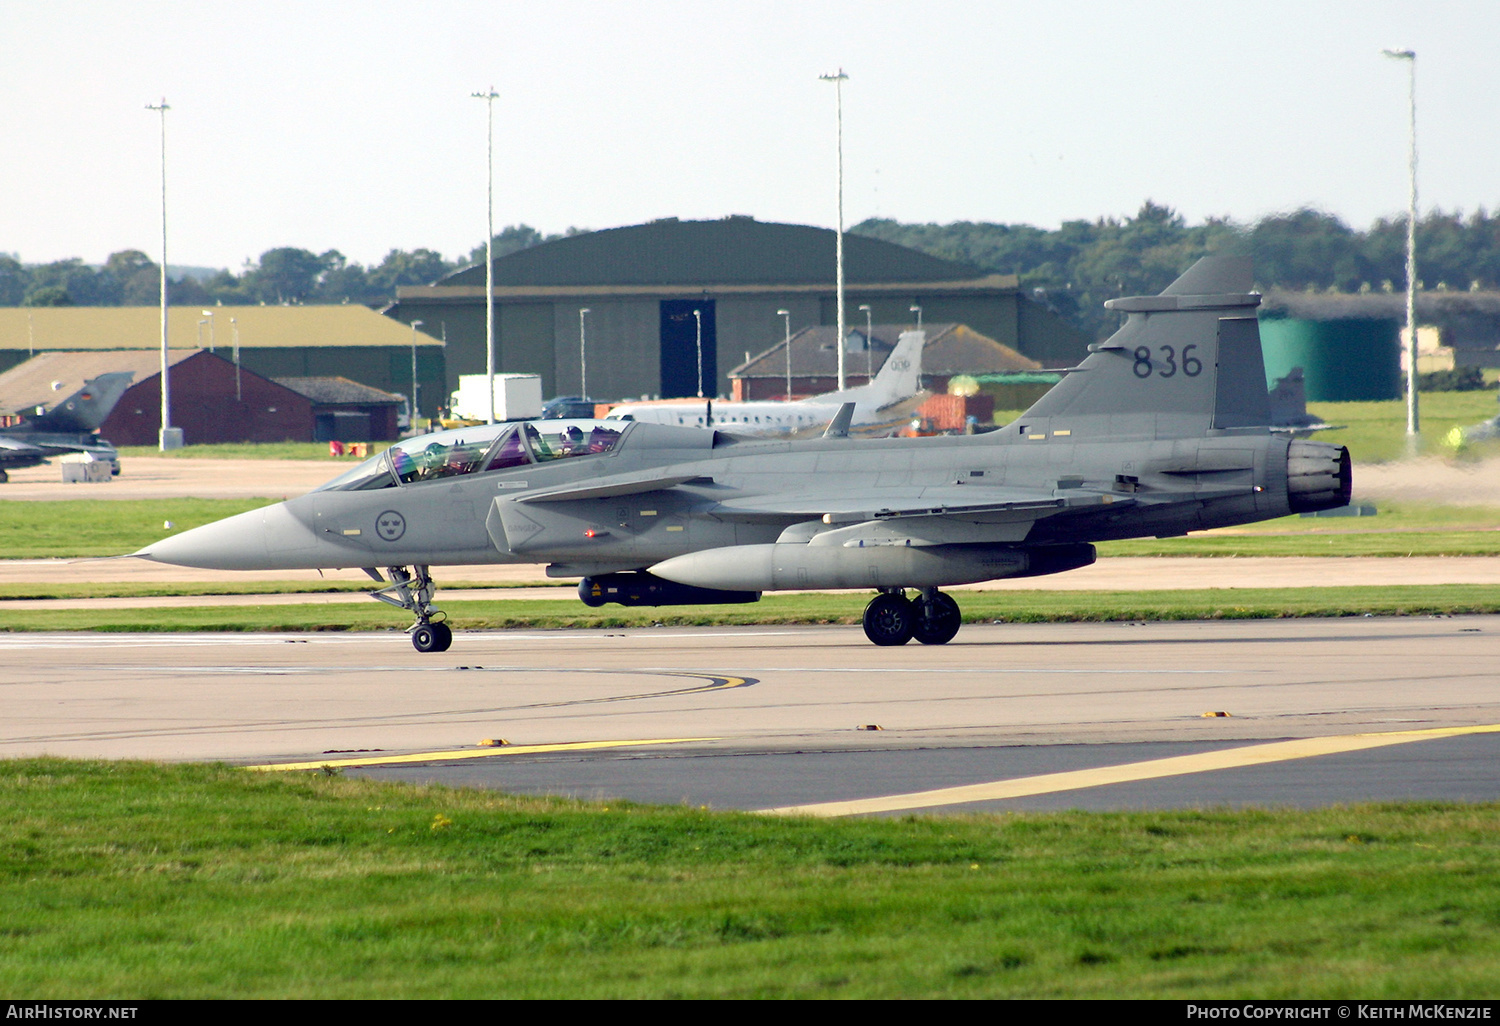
(899, 378)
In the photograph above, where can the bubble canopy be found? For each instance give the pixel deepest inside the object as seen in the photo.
(478, 450)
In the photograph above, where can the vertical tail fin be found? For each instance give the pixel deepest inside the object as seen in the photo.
(1185, 362)
(86, 409)
(898, 378)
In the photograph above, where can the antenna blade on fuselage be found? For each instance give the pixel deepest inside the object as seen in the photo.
(838, 427)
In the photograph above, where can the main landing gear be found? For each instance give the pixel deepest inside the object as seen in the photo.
(932, 618)
(411, 590)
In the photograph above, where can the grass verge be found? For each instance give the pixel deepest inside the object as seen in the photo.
(75, 528)
(109, 527)
(1375, 432)
(128, 589)
(137, 881)
(250, 451)
(829, 608)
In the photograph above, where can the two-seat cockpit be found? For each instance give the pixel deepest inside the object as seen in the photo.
(480, 449)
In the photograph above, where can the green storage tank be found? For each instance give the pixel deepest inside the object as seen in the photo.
(1348, 359)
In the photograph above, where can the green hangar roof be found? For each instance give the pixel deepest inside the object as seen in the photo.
(736, 250)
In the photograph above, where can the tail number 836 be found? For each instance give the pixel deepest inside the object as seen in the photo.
(1168, 363)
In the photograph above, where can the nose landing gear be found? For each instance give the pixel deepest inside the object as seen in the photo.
(893, 619)
(431, 637)
(412, 590)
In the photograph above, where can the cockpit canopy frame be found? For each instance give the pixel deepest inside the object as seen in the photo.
(481, 449)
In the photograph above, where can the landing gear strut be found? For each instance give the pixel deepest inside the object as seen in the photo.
(893, 619)
(411, 590)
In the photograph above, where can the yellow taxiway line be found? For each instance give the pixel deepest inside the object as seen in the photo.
(469, 753)
(1203, 762)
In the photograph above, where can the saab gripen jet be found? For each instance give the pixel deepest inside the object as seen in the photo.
(1161, 430)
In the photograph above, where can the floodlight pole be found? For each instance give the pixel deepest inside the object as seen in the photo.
(489, 249)
(411, 423)
(786, 315)
(838, 81)
(234, 327)
(869, 342)
(210, 315)
(583, 353)
(1410, 57)
(698, 317)
(166, 392)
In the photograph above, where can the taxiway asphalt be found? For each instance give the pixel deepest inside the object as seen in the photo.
(1014, 716)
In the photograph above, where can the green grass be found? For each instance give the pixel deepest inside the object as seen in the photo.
(110, 527)
(1397, 529)
(104, 527)
(830, 608)
(250, 451)
(133, 881)
(1376, 432)
(129, 589)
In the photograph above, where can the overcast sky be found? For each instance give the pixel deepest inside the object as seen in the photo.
(350, 126)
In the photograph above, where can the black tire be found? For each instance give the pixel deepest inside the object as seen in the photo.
(937, 621)
(430, 637)
(889, 620)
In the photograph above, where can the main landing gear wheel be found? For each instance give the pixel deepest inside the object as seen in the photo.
(431, 637)
(937, 619)
(890, 619)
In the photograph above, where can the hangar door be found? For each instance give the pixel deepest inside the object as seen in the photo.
(680, 348)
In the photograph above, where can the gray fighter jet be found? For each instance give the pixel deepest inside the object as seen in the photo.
(69, 426)
(1161, 430)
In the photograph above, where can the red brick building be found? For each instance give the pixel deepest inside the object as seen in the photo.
(212, 400)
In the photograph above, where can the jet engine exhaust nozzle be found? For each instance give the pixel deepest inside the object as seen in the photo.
(1318, 476)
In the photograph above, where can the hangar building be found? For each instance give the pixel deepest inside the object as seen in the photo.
(649, 289)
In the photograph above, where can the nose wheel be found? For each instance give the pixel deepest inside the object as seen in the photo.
(412, 591)
(431, 637)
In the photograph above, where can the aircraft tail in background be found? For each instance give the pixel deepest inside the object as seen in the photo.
(86, 409)
(900, 377)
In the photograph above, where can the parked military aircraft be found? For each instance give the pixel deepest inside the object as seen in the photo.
(1161, 430)
(68, 426)
(900, 377)
(1289, 416)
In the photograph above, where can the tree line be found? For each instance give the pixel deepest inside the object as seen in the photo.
(285, 275)
(1076, 267)
(1073, 268)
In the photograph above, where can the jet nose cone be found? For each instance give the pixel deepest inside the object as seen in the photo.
(250, 541)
